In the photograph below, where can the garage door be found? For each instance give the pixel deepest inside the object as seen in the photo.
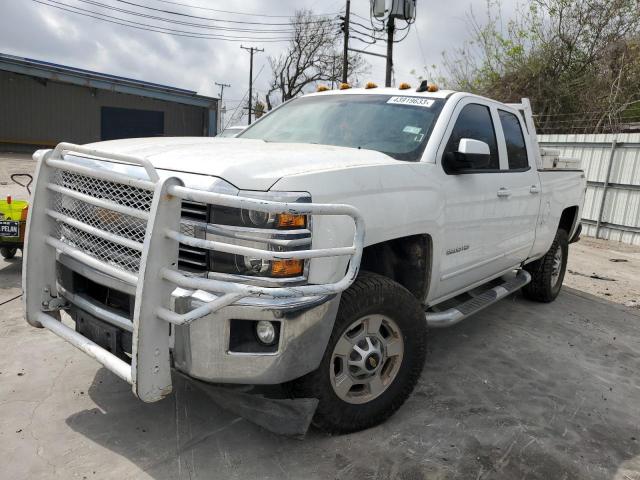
(130, 123)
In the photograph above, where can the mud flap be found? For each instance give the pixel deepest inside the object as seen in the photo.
(283, 416)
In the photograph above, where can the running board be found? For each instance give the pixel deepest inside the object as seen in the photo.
(455, 314)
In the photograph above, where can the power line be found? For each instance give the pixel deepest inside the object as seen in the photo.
(152, 28)
(96, 3)
(242, 13)
(170, 12)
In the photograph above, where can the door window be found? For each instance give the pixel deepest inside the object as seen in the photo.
(475, 122)
(513, 137)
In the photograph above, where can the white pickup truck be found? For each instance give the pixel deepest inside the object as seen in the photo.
(314, 250)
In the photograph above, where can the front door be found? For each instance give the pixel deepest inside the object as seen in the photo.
(473, 212)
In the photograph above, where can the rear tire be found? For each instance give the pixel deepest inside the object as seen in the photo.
(373, 360)
(548, 272)
(8, 252)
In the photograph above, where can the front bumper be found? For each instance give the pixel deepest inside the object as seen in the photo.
(201, 350)
(157, 319)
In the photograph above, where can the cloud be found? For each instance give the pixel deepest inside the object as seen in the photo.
(37, 31)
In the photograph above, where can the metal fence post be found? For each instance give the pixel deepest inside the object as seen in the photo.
(612, 154)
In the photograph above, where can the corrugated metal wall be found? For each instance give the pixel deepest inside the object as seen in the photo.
(612, 165)
(45, 113)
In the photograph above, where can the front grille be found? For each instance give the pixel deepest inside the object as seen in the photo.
(193, 259)
(104, 219)
(127, 195)
(105, 250)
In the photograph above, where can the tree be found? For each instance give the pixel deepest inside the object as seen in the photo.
(313, 56)
(577, 60)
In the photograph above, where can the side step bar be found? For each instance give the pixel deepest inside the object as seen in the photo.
(451, 316)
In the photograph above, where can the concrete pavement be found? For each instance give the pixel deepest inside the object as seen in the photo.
(522, 390)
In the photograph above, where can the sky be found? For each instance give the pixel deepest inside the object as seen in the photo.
(35, 30)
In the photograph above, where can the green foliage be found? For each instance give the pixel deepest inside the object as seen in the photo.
(577, 60)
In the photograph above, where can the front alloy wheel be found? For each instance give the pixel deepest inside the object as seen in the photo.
(373, 360)
(366, 359)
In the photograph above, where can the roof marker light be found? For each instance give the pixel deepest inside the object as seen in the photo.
(322, 88)
(371, 85)
(345, 86)
(404, 86)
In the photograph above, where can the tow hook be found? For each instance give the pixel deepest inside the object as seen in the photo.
(50, 303)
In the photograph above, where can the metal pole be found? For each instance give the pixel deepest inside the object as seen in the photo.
(391, 26)
(221, 109)
(612, 154)
(250, 84)
(345, 52)
(251, 50)
(222, 85)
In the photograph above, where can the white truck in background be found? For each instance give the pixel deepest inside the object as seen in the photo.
(313, 250)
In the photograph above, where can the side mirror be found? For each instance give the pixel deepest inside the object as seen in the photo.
(471, 155)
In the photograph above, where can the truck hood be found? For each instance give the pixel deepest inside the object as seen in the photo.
(247, 164)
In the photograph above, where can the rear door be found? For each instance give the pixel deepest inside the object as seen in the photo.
(519, 189)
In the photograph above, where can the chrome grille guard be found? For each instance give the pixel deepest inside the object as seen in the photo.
(151, 266)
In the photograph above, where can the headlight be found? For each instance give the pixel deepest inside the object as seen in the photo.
(251, 228)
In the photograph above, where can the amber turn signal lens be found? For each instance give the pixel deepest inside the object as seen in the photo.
(287, 268)
(286, 220)
(24, 213)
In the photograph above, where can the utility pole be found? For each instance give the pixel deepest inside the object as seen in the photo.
(345, 52)
(251, 50)
(391, 27)
(222, 85)
(222, 108)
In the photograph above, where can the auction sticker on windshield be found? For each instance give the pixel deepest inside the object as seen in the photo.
(413, 101)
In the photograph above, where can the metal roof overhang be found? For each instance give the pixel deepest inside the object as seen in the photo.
(100, 81)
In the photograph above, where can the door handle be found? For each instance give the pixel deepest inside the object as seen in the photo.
(504, 192)
(534, 189)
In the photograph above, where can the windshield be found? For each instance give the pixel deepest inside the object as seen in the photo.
(393, 124)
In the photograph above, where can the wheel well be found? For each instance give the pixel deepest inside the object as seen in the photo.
(568, 219)
(406, 260)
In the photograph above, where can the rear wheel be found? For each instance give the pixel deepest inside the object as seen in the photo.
(373, 360)
(8, 252)
(548, 272)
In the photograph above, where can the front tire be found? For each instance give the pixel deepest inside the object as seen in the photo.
(548, 272)
(374, 358)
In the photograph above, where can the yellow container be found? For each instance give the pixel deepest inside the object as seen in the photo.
(13, 211)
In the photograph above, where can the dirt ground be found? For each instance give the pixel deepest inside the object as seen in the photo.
(609, 270)
(520, 391)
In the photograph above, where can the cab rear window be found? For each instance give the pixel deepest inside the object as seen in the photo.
(514, 138)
